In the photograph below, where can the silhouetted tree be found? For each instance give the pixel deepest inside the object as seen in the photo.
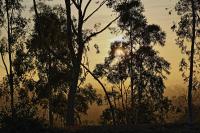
(53, 74)
(12, 19)
(188, 29)
(139, 59)
(81, 39)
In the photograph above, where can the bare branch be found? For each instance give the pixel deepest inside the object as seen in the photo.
(90, 15)
(104, 89)
(86, 7)
(96, 33)
(76, 4)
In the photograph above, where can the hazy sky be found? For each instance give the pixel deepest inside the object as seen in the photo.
(155, 11)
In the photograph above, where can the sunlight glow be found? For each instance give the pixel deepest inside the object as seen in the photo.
(119, 52)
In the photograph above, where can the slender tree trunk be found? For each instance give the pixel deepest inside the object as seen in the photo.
(126, 105)
(50, 93)
(72, 94)
(75, 69)
(190, 86)
(131, 76)
(10, 61)
(121, 91)
(138, 120)
(76, 56)
(131, 69)
(114, 99)
(76, 60)
(122, 101)
(74, 82)
(50, 112)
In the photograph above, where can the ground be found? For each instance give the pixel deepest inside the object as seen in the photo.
(170, 128)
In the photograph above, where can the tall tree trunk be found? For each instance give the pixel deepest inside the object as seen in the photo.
(76, 56)
(74, 81)
(75, 69)
(121, 91)
(131, 72)
(10, 60)
(76, 60)
(50, 110)
(50, 92)
(138, 120)
(114, 99)
(190, 86)
(72, 94)
(126, 105)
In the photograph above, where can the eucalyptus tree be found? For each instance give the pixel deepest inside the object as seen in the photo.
(140, 61)
(53, 74)
(15, 25)
(77, 49)
(131, 17)
(187, 31)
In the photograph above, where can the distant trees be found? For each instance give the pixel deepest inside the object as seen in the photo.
(188, 31)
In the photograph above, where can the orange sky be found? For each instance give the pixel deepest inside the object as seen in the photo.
(156, 13)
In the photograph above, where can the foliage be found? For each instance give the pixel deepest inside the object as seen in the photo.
(184, 34)
(140, 57)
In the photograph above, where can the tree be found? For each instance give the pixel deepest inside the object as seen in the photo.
(43, 45)
(11, 18)
(131, 17)
(139, 60)
(188, 29)
(77, 49)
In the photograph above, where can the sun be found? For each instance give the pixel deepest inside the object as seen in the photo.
(119, 52)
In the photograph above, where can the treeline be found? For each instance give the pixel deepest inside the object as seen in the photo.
(46, 63)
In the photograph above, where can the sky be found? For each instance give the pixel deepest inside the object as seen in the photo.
(156, 13)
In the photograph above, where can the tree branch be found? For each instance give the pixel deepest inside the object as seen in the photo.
(86, 7)
(76, 4)
(104, 89)
(90, 15)
(96, 33)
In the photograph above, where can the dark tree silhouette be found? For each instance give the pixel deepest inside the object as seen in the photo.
(77, 48)
(11, 18)
(139, 60)
(50, 40)
(188, 29)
